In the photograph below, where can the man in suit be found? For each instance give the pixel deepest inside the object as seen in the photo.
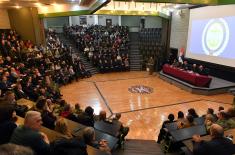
(29, 134)
(218, 144)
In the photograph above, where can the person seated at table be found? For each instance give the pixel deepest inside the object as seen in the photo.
(123, 129)
(181, 119)
(162, 132)
(225, 121)
(102, 116)
(87, 117)
(19, 93)
(192, 112)
(194, 68)
(29, 134)
(202, 70)
(89, 138)
(221, 108)
(218, 145)
(189, 122)
(186, 66)
(67, 112)
(231, 112)
(211, 111)
(48, 118)
(7, 121)
(13, 149)
(61, 126)
(71, 146)
(209, 120)
(77, 109)
(175, 63)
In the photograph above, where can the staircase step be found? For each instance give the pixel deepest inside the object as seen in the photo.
(76, 52)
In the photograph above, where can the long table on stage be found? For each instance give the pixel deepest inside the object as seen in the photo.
(192, 78)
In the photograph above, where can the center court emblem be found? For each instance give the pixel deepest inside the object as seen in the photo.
(141, 89)
(215, 37)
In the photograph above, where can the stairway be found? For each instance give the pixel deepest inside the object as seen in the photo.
(136, 58)
(87, 64)
(139, 147)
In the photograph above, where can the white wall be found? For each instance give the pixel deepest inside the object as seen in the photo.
(131, 21)
(153, 22)
(179, 29)
(91, 19)
(75, 20)
(102, 19)
(4, 19)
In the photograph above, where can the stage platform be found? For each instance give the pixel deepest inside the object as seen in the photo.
(217, 86)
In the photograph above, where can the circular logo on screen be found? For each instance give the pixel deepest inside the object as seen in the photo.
(141, 89)
(215, 37)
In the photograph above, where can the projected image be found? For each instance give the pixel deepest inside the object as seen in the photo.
(215, 37)
(211, 35)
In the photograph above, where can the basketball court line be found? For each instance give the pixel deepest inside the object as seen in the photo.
(122, 79)
(177, 103)
(103, 98)
(142, 109)
(216, 101)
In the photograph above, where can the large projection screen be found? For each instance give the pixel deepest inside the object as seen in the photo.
(211, 35)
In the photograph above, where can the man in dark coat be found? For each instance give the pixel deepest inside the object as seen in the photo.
(218, 145)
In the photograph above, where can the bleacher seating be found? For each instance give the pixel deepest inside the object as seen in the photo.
(106, 47)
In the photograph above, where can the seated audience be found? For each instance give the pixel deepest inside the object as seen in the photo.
(123, 129)
(48, 117)
(77, 109)
(220, 108)
(217, 145)
(181, 120)
(192, 112)
(231, 112)
(89, 138)
(225, 121)
(87, 117)
(13, 149)
(211, 112)
(209, 120)
(171, 118)
(61, 126)
(102, 116)
(106, 50)
(7, 121)
(189, 122)
(29, 134)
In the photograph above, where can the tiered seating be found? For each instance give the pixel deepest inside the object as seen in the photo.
(35, 75)
(175, 133)
(106, 47)
(150, 42)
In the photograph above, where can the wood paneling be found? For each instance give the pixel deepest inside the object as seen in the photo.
(4, 19)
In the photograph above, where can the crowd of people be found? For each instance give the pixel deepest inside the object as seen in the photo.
(106, 47)
(215, 124)
(183, 64)
(35, 73)
(31, 71)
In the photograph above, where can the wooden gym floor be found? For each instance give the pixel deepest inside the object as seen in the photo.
(143, 113)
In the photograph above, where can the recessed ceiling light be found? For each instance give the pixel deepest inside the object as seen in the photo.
(54, 4)
(38, 4)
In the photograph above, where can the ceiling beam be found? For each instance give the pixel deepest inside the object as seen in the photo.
(204, 2)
